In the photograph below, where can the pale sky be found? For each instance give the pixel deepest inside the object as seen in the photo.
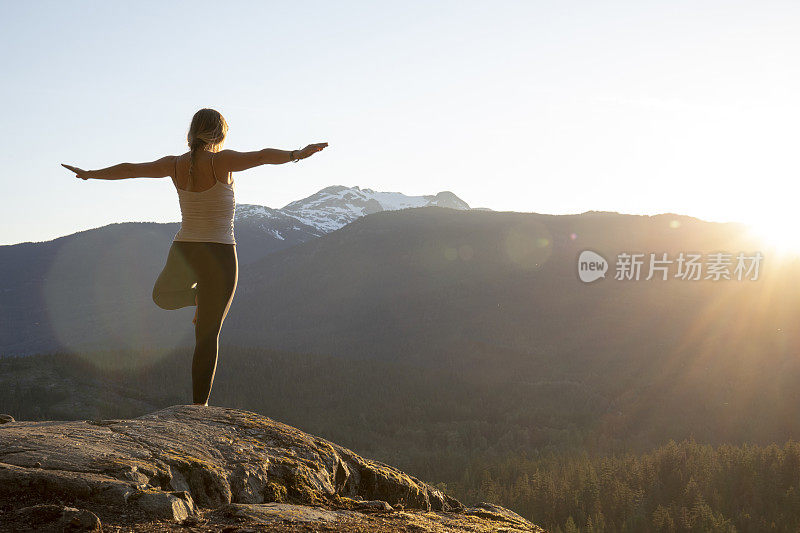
(688, 107)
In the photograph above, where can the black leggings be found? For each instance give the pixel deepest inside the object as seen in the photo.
(209, 271)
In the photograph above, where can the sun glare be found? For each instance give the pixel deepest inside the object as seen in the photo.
(779, 234)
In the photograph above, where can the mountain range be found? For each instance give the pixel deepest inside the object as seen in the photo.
(39, 279)
(492, 299)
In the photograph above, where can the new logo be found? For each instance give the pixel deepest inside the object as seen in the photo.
(591, 266)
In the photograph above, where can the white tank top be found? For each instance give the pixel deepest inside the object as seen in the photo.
(207, 216)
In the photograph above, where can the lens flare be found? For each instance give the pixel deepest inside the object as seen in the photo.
(529, 246)
(97, 296)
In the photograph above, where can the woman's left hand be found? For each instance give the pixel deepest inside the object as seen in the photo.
(79, 172)
(311, 149)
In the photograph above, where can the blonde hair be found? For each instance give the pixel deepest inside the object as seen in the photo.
(207, 131)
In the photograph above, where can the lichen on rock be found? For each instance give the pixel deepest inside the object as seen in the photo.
(183, 461)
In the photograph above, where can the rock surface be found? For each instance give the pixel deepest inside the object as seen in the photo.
(55, 518)
(212, 466)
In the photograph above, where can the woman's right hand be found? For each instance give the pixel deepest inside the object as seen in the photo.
(310, 149)
(79, 172)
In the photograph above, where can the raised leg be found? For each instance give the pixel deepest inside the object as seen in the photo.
(176, 286)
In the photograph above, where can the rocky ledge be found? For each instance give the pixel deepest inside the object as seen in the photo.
(195, 468)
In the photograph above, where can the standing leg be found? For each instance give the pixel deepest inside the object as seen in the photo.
(218, 269)
(176, 286)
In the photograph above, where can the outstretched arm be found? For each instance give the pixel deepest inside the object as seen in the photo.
(159, 168)
(233, 161)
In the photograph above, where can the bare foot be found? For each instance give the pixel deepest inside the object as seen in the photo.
(194, 320)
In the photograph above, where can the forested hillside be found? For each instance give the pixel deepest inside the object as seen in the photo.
(566, 461)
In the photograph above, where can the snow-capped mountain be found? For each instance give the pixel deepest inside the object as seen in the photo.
(273, 221)
(322, 212)
(335, 206)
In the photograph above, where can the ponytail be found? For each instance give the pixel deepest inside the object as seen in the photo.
(195, 146)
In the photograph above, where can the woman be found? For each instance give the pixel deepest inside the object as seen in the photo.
(202, 266)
